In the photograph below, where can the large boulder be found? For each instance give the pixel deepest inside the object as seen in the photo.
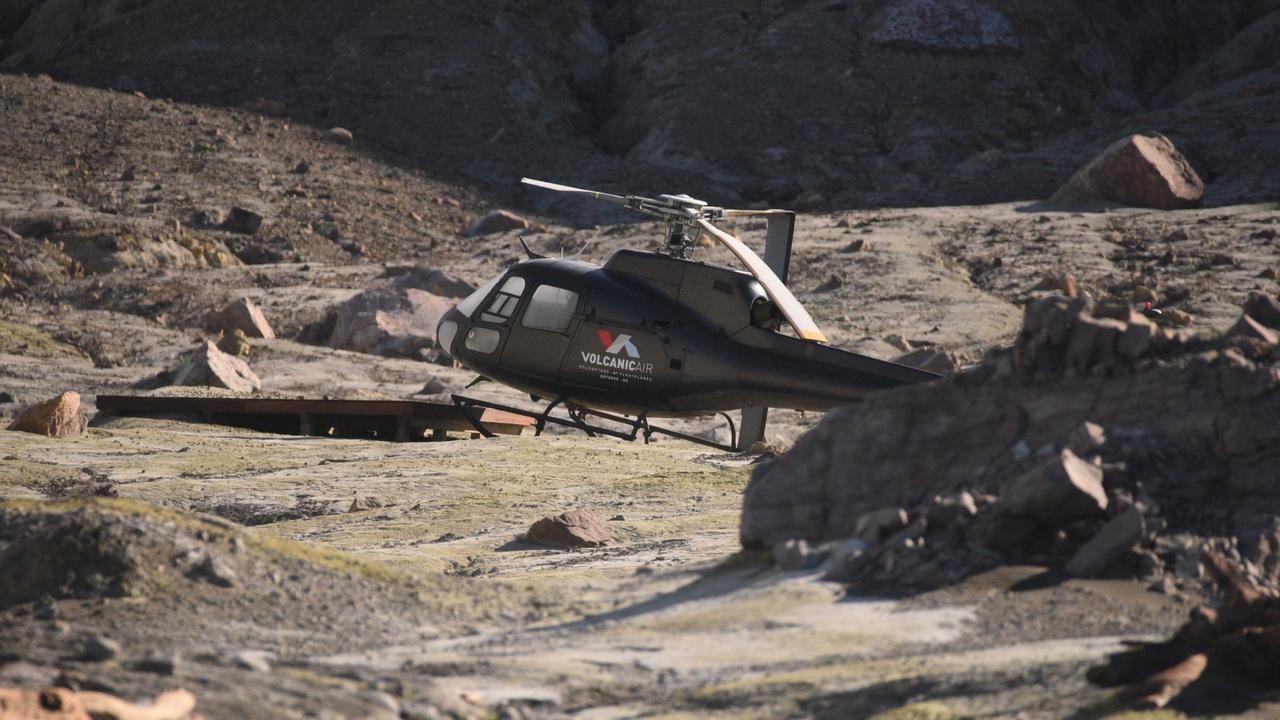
(575, 528)
(1140, 171)
(931, 359)
(1116, 537)
(497, 221)
(1199, 417)
(436, 282)
(392, 322)
(1263, 308)
(1061, 490)
(210, 367)
(57, 417)
(242, 315)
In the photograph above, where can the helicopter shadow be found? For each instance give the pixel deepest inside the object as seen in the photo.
(743, 571)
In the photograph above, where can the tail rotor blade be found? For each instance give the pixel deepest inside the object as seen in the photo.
(777, 291)
(608, 197)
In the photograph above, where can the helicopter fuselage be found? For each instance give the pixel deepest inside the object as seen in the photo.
(651, 334)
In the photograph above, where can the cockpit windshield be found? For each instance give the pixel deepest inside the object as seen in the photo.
(472, 302)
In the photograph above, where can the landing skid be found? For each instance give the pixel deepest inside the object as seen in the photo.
(637, 427)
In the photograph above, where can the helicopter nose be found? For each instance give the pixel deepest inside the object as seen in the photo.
(447, 332)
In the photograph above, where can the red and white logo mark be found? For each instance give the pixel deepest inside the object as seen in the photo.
(614, 345)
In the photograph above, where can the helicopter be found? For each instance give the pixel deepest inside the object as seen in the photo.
(656, 333)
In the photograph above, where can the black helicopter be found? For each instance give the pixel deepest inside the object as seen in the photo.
(652, 334)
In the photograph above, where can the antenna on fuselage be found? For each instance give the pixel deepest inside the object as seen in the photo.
(587, 244)
(528, 251)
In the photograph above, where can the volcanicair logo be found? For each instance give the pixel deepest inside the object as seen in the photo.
(620, 359)
(614, 345)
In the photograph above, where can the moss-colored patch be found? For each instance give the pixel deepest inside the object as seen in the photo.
(919, 711)
(219, 531)
(319, 680)
(17, 339)
(1112, 709)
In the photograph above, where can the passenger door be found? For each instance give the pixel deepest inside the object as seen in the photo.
(540, 337)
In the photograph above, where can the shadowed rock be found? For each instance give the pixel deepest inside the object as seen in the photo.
(1119, 534)
(1263, 308)
(497, 221)
(392, 322)
(243, 315)
(210, 367)
(240, 220)
(1062, 490)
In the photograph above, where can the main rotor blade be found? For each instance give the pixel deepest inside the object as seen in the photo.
(576, 191)
(727, 212)
(777, 291)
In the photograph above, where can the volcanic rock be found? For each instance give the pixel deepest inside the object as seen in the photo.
(845, 468)
(255, 660)
(575, 528)
(360, 503)
(1093, 341)
(340, 135)
(98, 648)
(1139, 171)
(392, 322)
(930, 359)
(435, 282)
(947, 510)
(208, 366)
(1263, 308)
(955, 25)
(1136, 338)
(240, 220)
(872, 527)
(433, 386)
(236, 344)
(795, 555)
(214, 571)
(1087, 439)
(1110, 542)
(57, 417)
(497, 221)
(244, 315)
(160, 663)
(1061, 490)
(1177, 318)
(1250, 328)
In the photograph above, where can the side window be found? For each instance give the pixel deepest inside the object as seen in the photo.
(504, 303)
(550, 308)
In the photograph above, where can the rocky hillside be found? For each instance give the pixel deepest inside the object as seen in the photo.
(818, 104)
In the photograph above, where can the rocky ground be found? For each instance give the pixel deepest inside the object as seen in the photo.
(144, 186)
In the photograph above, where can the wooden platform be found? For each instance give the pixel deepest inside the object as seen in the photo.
(399, 420)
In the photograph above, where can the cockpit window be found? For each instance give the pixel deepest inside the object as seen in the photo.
(472, 302)
(503, 305)
(550, 308)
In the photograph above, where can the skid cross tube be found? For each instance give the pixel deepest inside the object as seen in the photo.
(639, 426)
